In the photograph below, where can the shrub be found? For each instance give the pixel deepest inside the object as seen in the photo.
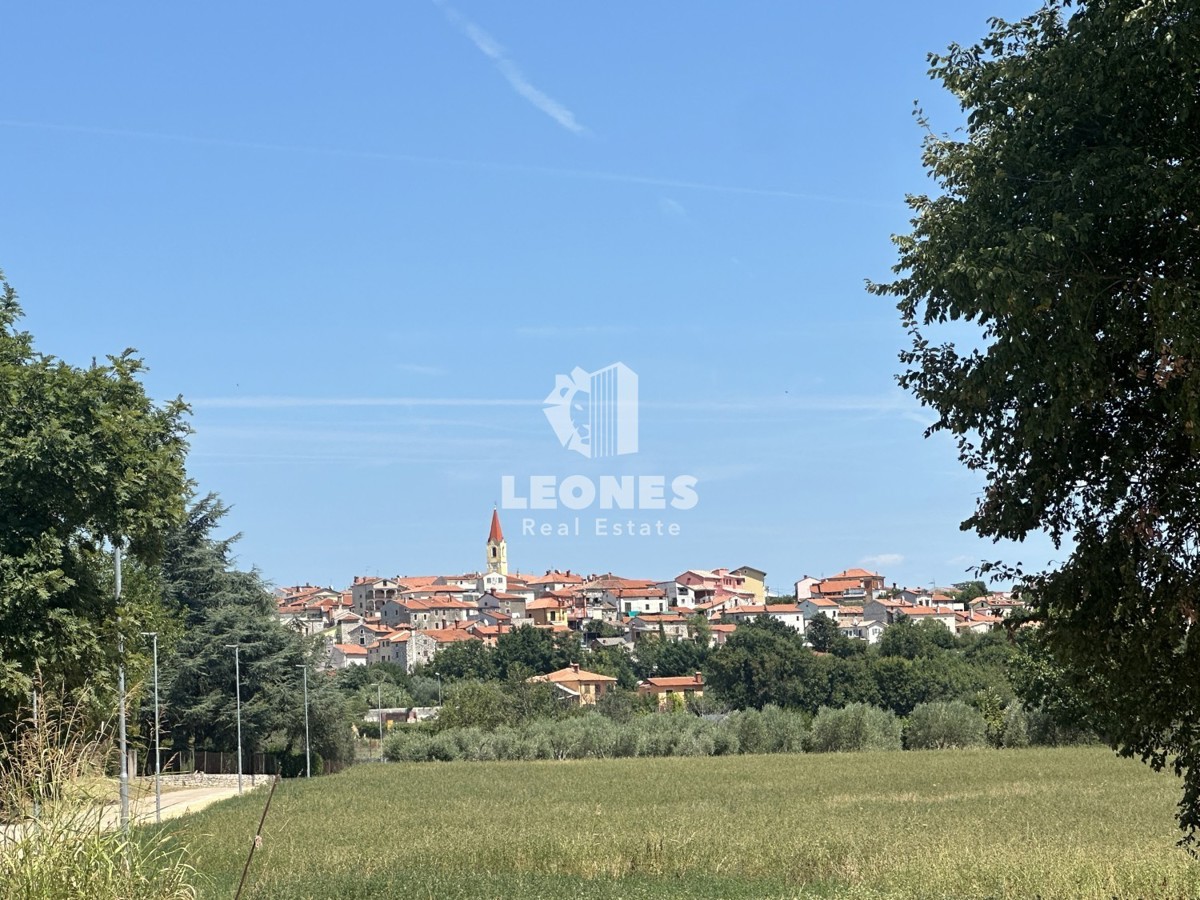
(725, 741)
(295, 764)
(1047, 730)
(72, 852)
(855, 727)
(1015, 732)
(785, 730)
(751, 732)
(942, 725)
(482, 704)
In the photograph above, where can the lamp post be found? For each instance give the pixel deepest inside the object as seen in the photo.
(237, 684)
(123, 784)
(307, 746)
(379, 708)
(153, 635)
(439, 678)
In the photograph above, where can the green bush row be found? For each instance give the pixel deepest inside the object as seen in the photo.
(591, 735)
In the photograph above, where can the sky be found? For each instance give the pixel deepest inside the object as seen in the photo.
(364, 240)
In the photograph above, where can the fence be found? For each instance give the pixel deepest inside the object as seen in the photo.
(217, 762)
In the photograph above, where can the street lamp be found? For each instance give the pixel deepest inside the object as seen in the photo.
(307, 749)
(379, 708)
(123, 782)
(153, 635)
(237, 684)
(439, 678)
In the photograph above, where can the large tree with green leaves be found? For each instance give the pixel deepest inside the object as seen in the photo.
(86, 459)
(223, 606)
(1062, 249)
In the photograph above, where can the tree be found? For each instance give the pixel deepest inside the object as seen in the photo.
(763, 662)
(822, 632)
(463, 659)
(966, 591)
(912, 639)
(534, 649)
(86, 459)
(944, 724)
(222, 606)
(1065, 235)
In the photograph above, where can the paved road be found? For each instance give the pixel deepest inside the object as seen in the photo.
(174, 803)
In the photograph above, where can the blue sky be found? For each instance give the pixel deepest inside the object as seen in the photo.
(363, 239)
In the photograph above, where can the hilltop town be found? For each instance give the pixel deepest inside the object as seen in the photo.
(406, 619)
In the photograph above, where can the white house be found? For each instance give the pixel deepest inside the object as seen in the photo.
(637, 601)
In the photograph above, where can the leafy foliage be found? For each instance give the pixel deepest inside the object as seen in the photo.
(822, 632)
(944, 725)
(854, 727)
(1065, 235)
(223, 606)
(86, 459)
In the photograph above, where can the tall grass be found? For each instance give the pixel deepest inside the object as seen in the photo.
(58, 837)
(1063, 823)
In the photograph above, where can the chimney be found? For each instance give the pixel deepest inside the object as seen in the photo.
(575, 668)
(699, 678)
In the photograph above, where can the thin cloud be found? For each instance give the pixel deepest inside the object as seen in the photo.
(492, 49)
(571, 331)
(672, 209)
(277, 402)
(890, 403)
(480, 164)
(882, 560)
(416, 369)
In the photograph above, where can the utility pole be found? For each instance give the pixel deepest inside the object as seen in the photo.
(153, 635)
(37, 802)
(379, 707)
(307, 746)
(121, 740)
(237, 684)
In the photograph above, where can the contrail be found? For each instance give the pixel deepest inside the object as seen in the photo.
(484, 165)
(491, 48)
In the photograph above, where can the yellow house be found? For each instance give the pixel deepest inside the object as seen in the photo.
(668, 689)
(753, 580)
(548, 610)
(584, 687)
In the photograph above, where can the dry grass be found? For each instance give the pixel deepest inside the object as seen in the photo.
(53, 797)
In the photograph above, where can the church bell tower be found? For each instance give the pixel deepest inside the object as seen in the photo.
(497, 549)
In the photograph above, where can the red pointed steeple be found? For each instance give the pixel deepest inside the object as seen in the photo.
(496, 535)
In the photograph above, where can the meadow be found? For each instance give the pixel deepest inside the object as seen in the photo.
(1068, 822)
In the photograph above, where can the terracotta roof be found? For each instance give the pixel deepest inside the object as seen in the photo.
(351, 649)
(547, 603)
(783, 608)
(857, 573)
(495, 535)
(556, 577)
(637, 592)
(572, 674)
(448, 635)
(676, 681)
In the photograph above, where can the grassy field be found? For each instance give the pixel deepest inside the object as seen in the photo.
(1052, 823)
